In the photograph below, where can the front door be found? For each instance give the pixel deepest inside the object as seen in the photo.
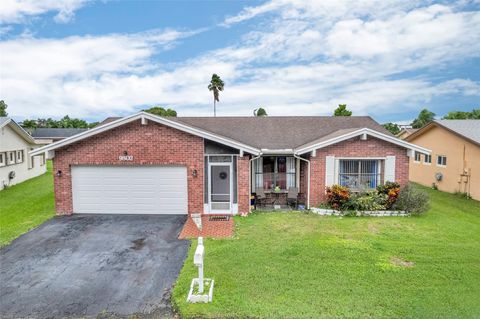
(220, 188)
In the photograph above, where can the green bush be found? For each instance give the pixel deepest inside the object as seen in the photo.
(412, 200)
(392, 190)
(372, 200)
(385, 188)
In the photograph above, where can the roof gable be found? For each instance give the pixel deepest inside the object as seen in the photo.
(6, 121)
(342, 135)
(467, 129)
(144, 117)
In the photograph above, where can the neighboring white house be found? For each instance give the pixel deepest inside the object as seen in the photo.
(16, 165)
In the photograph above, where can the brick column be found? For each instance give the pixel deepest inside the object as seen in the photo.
(243, 179)
(62, 186)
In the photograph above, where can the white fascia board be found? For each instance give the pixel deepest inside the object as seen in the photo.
(381, 136)
(285, 151)
(139, 116)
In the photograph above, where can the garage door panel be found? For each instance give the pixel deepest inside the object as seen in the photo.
(129, 189)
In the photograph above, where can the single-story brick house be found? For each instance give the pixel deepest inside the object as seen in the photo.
(147, 164)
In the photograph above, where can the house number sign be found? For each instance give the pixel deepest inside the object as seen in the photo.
(125, 158)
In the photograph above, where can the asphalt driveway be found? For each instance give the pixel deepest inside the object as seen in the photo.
(84, 265)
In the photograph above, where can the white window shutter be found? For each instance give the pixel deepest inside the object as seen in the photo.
(390, 169)
(329, 170)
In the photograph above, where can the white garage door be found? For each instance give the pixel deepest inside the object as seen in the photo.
(129, 190)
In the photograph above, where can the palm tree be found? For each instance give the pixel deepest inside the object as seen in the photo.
(216, 85)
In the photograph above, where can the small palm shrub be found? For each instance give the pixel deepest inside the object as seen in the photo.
(412, 200)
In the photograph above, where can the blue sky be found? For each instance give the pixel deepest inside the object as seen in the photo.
(93, 59)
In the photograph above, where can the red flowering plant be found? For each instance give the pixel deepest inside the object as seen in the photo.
(392, 190)
(337, 196)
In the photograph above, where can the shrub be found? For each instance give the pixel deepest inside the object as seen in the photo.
(372, 200)
(337, 196)
(392, 190)
(412, 200)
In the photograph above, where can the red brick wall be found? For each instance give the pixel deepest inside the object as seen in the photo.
(243, 179)
(151, 144)
(355, 147)
(303, 182)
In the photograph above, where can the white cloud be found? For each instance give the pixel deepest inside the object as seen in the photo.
(251, 12)
(16, 11)
(308, 58)
(405, 34)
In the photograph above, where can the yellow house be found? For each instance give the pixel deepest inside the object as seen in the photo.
(454, 164)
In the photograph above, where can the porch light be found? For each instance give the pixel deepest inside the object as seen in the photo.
(59, 173)
(194, 173)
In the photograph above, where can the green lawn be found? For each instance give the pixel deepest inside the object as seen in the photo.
(297, 265)
(25, 206)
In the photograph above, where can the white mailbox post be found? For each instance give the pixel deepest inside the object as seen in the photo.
(198, 261)
(197, 288)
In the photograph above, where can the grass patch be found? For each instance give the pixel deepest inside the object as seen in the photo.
(297, 265)
(26, 205)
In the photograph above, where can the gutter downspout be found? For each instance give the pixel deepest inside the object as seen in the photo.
(308, 178)
(250, 179)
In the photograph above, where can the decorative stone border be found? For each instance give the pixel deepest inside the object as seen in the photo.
(374, 213)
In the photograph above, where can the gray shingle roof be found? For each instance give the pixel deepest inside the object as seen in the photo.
(467, 128)
(280, 132)
(108, 120)
(56, 132)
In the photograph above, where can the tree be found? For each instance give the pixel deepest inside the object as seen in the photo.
(65, 122)
(341, 110)
(424, 117)
(29, 124)
(3, 108)
(160, 111)
(92, 124)
(476, 114)
(216, 85)
(459, 115)
(260, 112)
(392, 127)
